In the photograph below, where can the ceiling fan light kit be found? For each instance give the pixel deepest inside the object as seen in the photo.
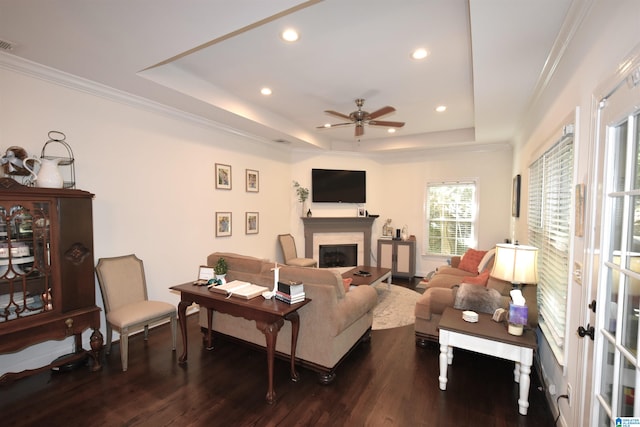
(360, 117)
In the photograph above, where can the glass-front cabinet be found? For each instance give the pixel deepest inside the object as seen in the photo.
(47, 285)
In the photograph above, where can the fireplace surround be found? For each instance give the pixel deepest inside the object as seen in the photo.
(319, 225)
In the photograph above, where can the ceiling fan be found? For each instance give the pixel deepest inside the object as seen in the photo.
(361, 118)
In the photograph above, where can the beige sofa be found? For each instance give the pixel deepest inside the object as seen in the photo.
(331, 325)
(441, 293)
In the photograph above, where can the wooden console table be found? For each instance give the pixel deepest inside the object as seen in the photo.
(268, 314)
(490, 338)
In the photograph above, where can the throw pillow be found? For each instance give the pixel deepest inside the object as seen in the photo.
(471, 260)
(484, 262)
(347, 283)
(477, 298)
(481, 280)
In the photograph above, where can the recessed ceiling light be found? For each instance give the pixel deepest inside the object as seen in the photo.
(441, 108)
(290, 35)
(265, 91)
(391, 130)
(420, 53)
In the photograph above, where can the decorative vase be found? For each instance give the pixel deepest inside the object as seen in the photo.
(221, 278)
(48, 176)
(309, 214)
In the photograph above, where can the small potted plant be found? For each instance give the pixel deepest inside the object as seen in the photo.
(220, 269)
(303, 194)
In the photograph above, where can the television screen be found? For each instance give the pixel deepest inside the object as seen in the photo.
(338, 186)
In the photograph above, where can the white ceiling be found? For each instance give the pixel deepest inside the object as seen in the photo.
(210, 58)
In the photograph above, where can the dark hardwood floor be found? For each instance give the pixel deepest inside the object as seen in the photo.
(387, 382)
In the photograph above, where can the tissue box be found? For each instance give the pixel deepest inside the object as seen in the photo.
(518, 314)
(517, 318)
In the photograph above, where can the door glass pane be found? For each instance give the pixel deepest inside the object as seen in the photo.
(626, 384)
(637, 165)
(635, 228)
(629, 337)
(620, 156)
(611, 313)
(606, 384)
(615, 233)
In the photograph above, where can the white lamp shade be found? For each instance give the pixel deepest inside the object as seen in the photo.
(516, 264)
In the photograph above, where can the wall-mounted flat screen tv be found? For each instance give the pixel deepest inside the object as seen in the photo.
(338, 186)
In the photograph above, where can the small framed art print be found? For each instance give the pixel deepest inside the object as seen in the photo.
(223, 177)
(253, 181)
(223, 224)
(252, 220)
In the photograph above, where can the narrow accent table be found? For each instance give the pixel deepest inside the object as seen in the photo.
(490, 338)
(268, 314)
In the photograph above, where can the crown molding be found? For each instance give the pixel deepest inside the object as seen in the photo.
(578, 10)
(51, 75)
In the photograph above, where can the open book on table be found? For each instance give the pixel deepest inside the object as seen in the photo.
(240, 289)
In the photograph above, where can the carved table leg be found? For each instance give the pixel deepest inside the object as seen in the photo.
(294, 318)
(182, 318)
(270, 332)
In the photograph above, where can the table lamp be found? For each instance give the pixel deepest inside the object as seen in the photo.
(518, 265)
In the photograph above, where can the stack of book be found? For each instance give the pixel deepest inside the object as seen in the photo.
(291, 292)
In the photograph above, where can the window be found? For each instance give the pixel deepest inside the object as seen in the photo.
(549, 227)
(451, 218)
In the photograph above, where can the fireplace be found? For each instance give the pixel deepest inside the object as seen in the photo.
(338, 231)
(338, 256)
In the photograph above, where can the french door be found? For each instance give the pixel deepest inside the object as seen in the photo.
(616, 369)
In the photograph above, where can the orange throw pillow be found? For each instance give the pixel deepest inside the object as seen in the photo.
(481, 280)
(471, 260)
(347, 282)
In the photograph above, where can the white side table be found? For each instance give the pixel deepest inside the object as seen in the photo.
(490, 338)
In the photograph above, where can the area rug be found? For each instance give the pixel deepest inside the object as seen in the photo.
(395, 307)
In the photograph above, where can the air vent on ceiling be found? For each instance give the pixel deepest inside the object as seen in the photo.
(5, 45)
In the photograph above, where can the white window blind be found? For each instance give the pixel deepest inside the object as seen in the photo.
(549, 227)
(451, 217)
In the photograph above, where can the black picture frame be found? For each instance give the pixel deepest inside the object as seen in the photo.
(515, 197)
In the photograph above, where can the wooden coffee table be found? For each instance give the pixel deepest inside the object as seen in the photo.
(378, 275)
(490, 338)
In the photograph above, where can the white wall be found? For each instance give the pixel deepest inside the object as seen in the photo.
(607, 36)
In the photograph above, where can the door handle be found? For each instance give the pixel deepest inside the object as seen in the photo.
(590, 330)
(592, 306)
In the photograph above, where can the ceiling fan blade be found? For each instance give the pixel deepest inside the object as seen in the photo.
(335, 113)
(334, 125)
(359, 130)
(381, 112)
(385, 123)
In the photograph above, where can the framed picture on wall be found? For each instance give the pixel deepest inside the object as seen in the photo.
(253, 181)
(515, 198)
(223, 224)
(251, 223)
(223, 177)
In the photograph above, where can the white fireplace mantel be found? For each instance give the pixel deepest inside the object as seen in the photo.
(313, 225)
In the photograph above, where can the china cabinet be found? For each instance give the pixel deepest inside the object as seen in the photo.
(399, 256)
(47, 286)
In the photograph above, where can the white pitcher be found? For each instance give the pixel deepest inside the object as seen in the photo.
(48, 176)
